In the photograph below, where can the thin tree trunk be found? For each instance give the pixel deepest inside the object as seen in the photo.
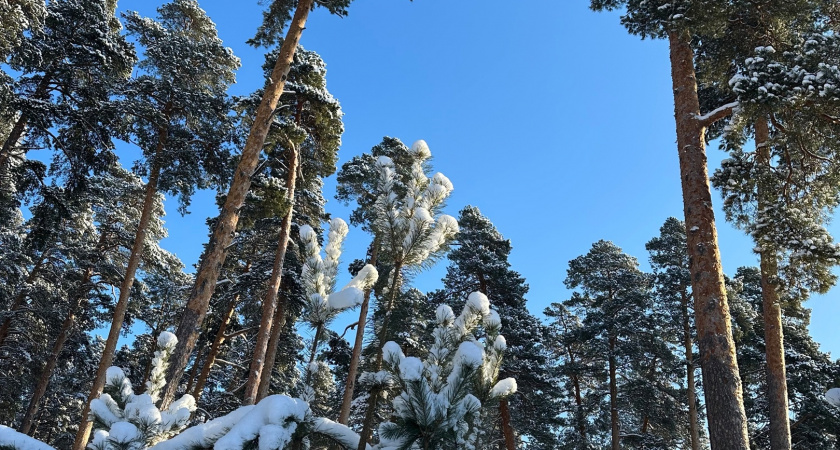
(615, 428)
(315, 341)
(122, 303)
(507, 429)
(693, 423)
(780, 438)
(350, 384)
(277, 326)
(373, 400)
(721, 380)
(211, 264)
(215, 348)
(193, 372)
(17, 304)
(269, 305)
(52, 360)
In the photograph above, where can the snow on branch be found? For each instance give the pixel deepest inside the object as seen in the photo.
(717, 114)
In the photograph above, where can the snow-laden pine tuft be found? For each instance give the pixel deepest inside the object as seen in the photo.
(445, 395)
(124, 419)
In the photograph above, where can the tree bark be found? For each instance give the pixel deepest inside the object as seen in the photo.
(721, 380)
(125, 290)
(507, 429)
(614, 425)
(211, 264)
(780, 438)
(270, 301)
(215, 348)
(693, 423)
(375, 393)
(277, 326)
(350, 384)
(52, 360)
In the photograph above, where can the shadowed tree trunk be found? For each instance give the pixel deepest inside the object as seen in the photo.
(52, 360)
(615, 428)
(721, 380)
(777, 396)
(350, 384)
(208, 271)
(277, 326)
(693, 424)
(376, 392)
(269, 305)
(215, 348)
(125, 290)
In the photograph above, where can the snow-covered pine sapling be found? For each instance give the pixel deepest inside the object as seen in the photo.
(404, 220)
(443, 396)
(318, 277)
(127, 421)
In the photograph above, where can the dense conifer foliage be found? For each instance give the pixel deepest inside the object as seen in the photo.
(254, 349)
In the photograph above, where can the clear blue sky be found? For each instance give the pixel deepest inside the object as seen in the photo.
(550, 118)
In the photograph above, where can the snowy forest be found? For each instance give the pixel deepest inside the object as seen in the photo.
(284, 336)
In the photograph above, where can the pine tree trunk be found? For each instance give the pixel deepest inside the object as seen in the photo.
(614, 425)
(52, 360)
(773, 335)
(215, 348)
(507, 429)
(375, 393)
(277, 326)
(721, 380)
(693, 420)
(350, 384)
(211, 264)
(17, 304)
(134, 259)
(269, 305)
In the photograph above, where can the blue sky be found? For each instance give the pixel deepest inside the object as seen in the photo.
(550, 118)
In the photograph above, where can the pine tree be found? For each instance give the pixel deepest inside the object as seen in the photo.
(814, 424)
(672, 286)
(688, 25)
(357, 181)
(309, 133)
(178, 116)
(275, 19)
(612, 303)
(479, 262)
(404, 223)
(70, 68)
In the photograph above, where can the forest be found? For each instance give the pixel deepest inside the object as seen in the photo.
(287, 335)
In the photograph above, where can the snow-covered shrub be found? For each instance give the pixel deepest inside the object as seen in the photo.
(441, 396)
(124, 420)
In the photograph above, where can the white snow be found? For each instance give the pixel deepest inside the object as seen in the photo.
(479, 303)
(500, 343)
(206, 434)
(421, 149)
(341, 433)
(503, 388)
(20, 441)
(167, 340)
(391, 351)
(123, 432)
(278, 415)
(348, 297)
(411, 369)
